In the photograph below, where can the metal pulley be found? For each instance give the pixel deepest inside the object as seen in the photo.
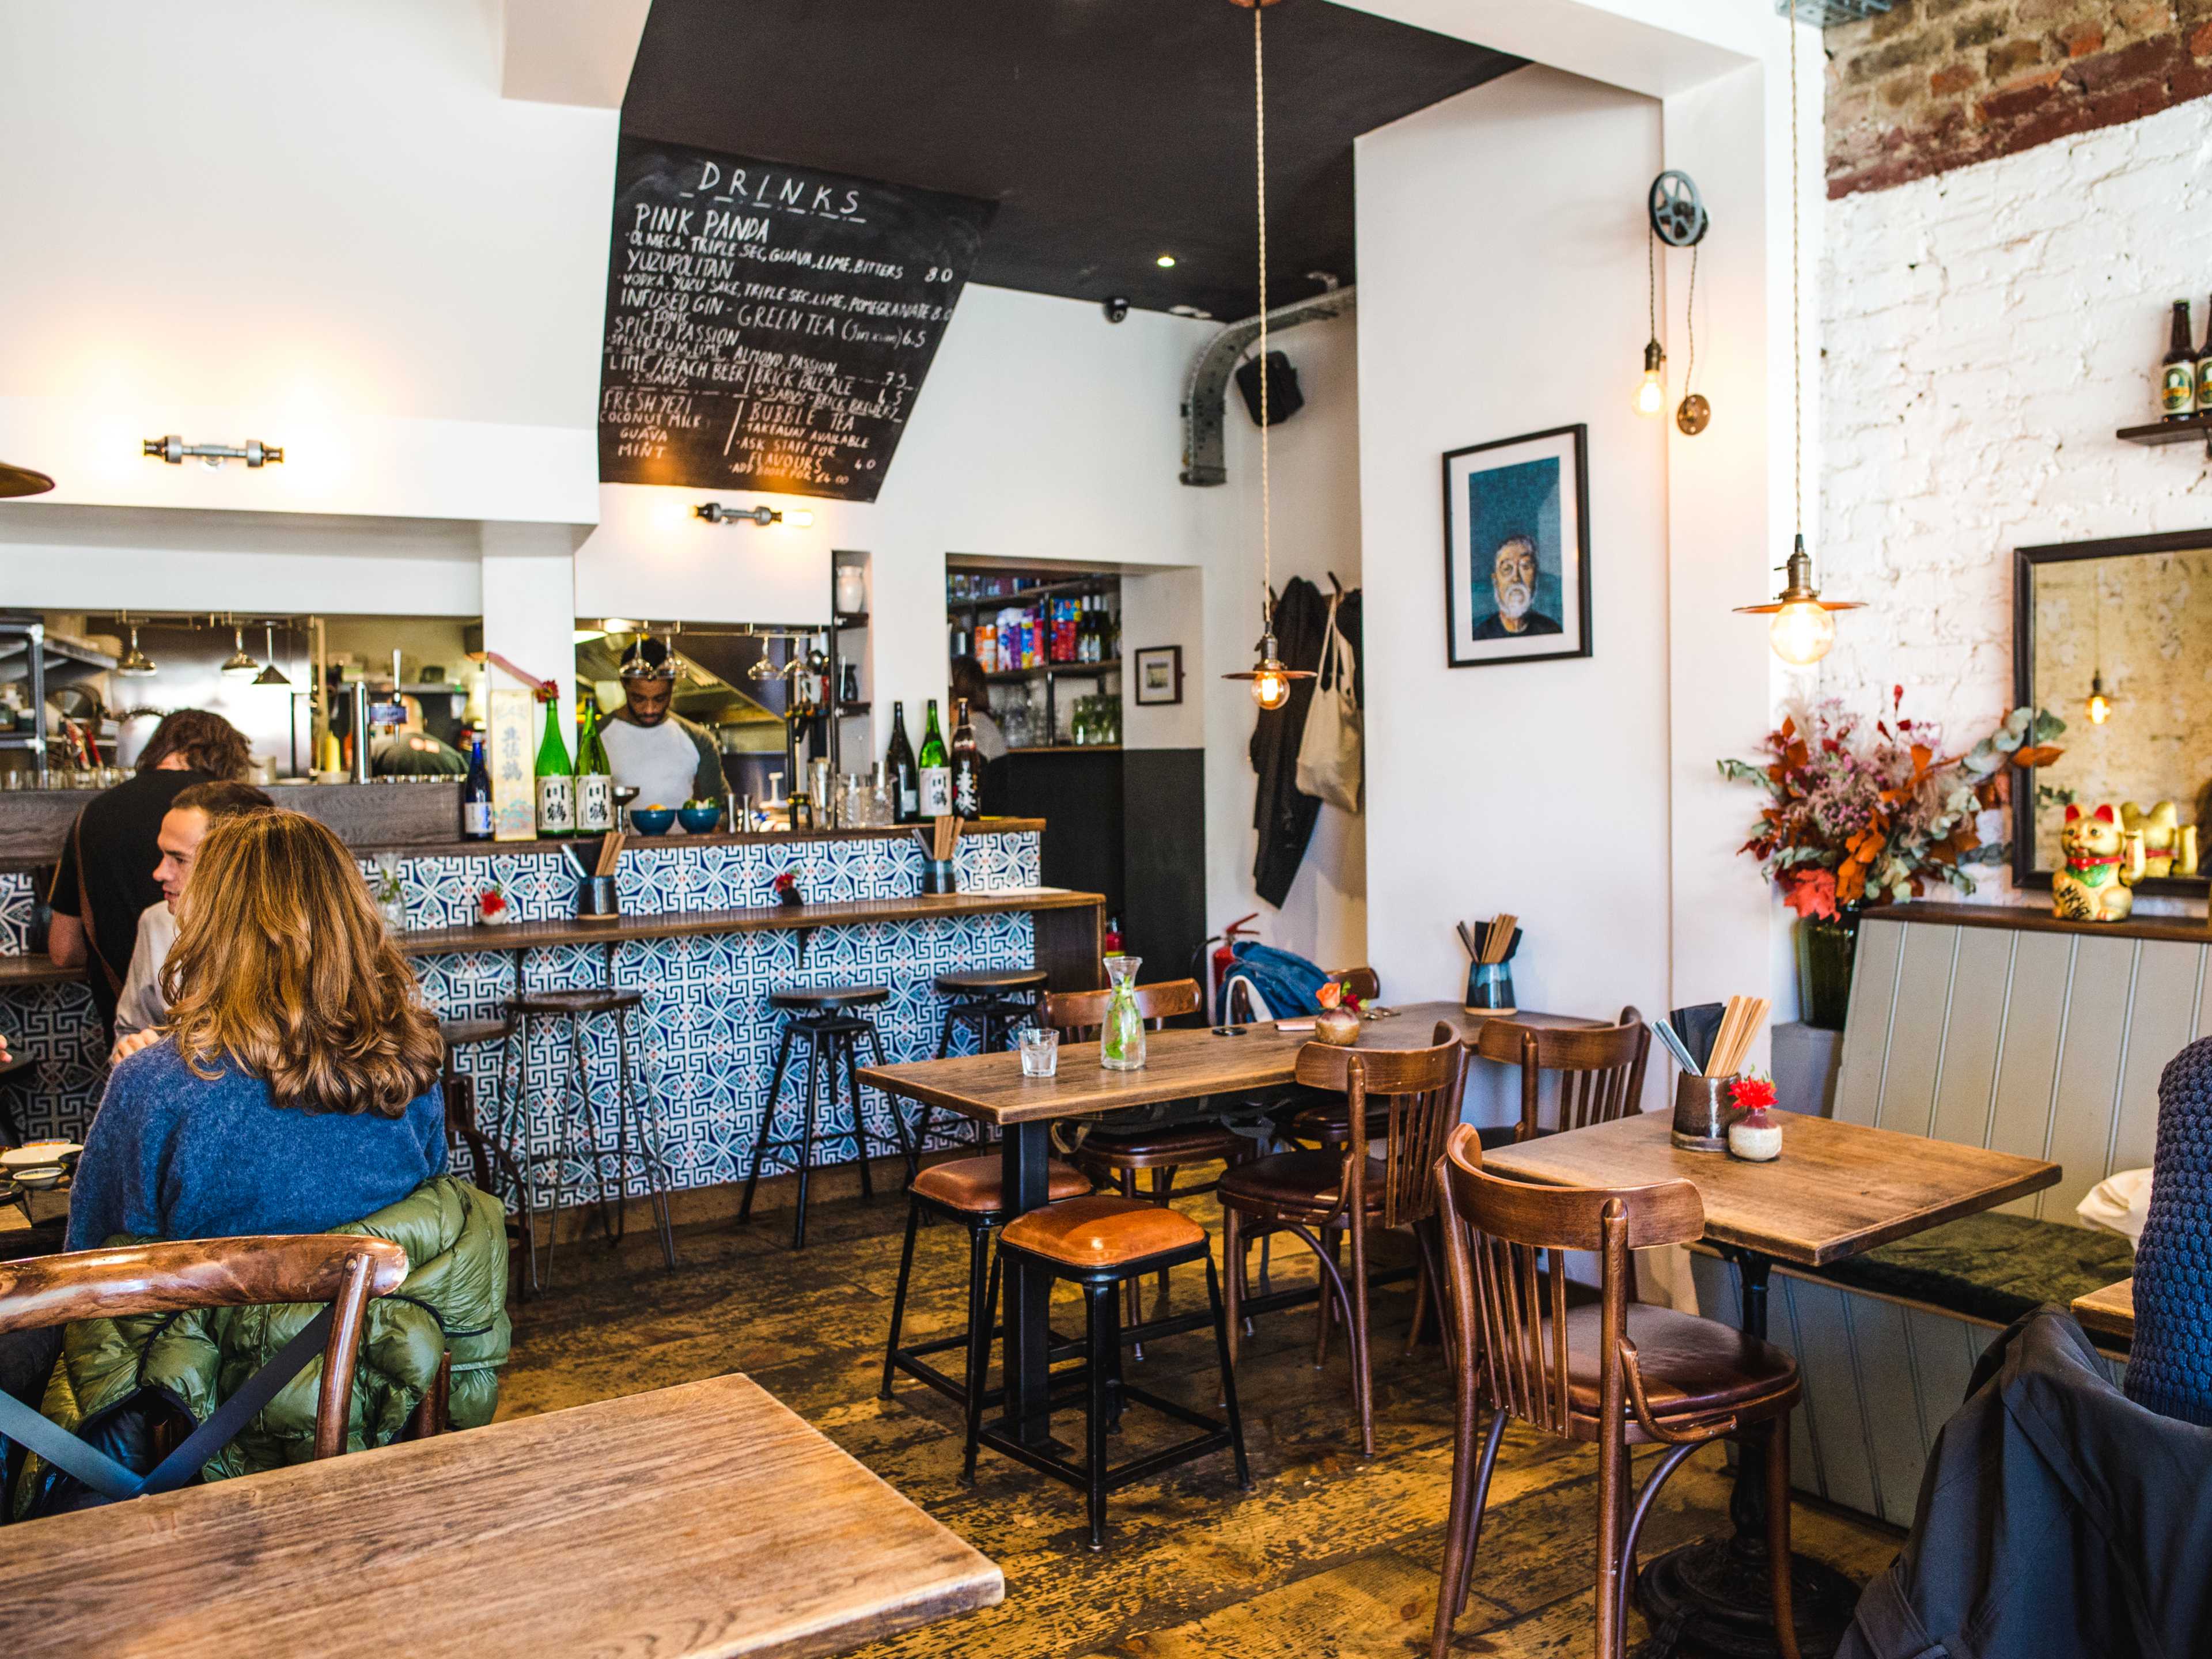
(1678, 212)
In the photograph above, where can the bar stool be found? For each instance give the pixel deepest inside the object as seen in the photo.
(1102, 1243)
(491, 1164)
(992, 1000)
(967, 1191)
(822, 1018)
(578, 1134)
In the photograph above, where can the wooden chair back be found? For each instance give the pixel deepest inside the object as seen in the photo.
(1508, 1318)
(1077, 1015)
(343, 1271)
(1418, 1091)
(1600, 1067)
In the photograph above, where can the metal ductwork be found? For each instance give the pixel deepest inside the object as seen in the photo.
(1206, 398)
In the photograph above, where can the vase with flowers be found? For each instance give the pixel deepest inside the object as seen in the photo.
(1338, 1022)
(1753, 1134)
(1859, 817)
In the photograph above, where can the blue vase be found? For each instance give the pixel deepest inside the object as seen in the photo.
(1489, 988)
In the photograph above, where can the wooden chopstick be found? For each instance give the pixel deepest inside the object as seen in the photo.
(1500, 940)
(1739, 1024)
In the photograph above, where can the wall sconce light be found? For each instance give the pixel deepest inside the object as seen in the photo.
(763, 515)
(1678, 219)
(173, 450)
(1651, 393)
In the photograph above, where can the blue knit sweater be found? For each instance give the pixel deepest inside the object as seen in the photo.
(173, 1155)
(2170, 1367)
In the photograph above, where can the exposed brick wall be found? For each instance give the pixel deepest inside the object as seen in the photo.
(1936, 84)
(1983, 333)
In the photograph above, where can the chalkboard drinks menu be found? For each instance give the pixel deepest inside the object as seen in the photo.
(769, 326)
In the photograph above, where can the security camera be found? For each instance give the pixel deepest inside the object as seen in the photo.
(1115, 308)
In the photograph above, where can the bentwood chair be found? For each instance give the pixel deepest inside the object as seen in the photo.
(342, 1271)
(1407, 1100)
(1616, 1373)
(1600, 1072)
(1117, 1157)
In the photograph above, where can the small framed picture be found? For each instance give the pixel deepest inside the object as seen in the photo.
(1516, 550)
(1159, 675)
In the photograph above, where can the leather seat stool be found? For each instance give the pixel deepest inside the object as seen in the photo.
(1102, 1243)
(823, 1019)
(994, 1001)
(969, 1192)
(577, 1136)
(491, 1161)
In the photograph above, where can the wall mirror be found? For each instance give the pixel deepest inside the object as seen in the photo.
(2122, 629)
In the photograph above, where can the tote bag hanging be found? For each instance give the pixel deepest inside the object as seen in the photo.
(1329, 749)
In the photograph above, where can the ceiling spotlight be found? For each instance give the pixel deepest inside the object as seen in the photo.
(763, 515)
(175, 451)
(239, 663)
(1166, 262)
(135, 662)
(271, 675)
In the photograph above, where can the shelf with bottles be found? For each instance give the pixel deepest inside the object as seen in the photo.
(1032, 588)
(847, 620)
(1088, 670)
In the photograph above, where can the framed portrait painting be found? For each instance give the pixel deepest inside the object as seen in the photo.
(1516, 550)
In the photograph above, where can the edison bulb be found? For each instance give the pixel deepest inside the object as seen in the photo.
(1802, 633)
(800, 518)
(1650, 394)
(2101, 709)
(1270, 687)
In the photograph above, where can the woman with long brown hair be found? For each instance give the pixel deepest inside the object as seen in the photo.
(295, 1087)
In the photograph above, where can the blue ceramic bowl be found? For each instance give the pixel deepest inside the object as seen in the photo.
(699, 820)
(652, 820)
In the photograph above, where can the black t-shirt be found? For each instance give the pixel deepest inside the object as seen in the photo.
(120, 832)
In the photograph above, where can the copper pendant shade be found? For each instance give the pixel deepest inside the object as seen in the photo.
(21, 481)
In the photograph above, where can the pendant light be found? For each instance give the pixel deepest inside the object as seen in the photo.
(134, 662)
(2100, 706)
(1804, 626)
(21, 481)
(1271, 680)
(239, 663)
(1650, 394)
(271, 675)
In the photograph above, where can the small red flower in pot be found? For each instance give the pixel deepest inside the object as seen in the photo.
(786, 888)
(492, 905)
(1754, 1136)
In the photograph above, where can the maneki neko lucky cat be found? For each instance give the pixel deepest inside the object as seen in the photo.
(2104, 862)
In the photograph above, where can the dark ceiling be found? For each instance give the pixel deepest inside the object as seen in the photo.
(1108, 131)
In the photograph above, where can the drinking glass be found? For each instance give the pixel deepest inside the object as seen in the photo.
(1039, 1047)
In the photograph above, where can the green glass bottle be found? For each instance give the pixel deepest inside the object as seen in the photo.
(936, 769)
(556, 779)
(595, 782)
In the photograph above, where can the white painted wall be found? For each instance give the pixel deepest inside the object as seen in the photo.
(1542, 789)
(1988, 330)
(317, 225)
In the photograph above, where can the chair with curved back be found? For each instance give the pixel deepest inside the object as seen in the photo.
(1600, 1070)
(1614, 1372)
(1116, 1157)
(1311, 1193)
(343, 1271)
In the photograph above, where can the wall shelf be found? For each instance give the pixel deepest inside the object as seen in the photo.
(1092, 586)
(1054, 670)
(2190, 429)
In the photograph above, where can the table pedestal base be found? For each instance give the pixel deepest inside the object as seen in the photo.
(1712, 1597)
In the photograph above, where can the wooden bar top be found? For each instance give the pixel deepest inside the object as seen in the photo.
(19, 972)
(2110, 1311)
(1838, 1189)
(1179, 1065)
(692, 1522)
(2038, 919)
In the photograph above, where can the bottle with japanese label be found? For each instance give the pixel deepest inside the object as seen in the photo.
(475, 795)
(936, 769)
(2177, 385)
(899, 769)
(595, 783)
(556, 779)
(967, 768)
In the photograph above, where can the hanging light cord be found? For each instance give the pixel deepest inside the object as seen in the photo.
(1651, 278)
(1796, 306)
(1259, 121)
(1690, 323)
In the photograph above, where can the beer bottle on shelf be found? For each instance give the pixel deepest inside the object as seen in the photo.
(967, 769)
(475, 795)
(556, 779)
(899, 768)
(2176, 386)
(595, 783)
(2204, 366)
(935, 785)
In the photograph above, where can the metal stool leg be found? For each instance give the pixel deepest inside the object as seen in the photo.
(807, 1135)
(767, 1124)
(1101, 1311)
(610, 1215)
(841, 1053)
(898, 1297)
(1228, 1376)
(899, 1142)
(648, 1149)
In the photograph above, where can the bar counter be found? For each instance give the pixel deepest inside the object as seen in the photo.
(700, 933)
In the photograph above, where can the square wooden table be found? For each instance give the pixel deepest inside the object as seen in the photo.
(691, 1522)
(1836, 1190)
(1179, 1064)
(2109, 1312)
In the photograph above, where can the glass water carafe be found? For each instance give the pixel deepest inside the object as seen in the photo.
(1121, 1035)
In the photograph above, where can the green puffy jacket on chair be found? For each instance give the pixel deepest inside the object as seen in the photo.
(453, 1300)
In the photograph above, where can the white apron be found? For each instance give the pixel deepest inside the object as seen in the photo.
(661, 760)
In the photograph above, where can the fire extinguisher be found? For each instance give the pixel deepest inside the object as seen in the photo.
(1224, 958)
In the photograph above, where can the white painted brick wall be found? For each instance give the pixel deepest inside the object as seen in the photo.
(1984, 333)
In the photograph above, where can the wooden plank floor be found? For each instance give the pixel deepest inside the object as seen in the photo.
(1331, 1557)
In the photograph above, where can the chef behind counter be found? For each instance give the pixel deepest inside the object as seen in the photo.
(667, 759)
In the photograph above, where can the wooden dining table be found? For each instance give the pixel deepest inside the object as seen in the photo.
(2109, 1312)
(1179, 1064)
(1836, 1190)
(691, 1522)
